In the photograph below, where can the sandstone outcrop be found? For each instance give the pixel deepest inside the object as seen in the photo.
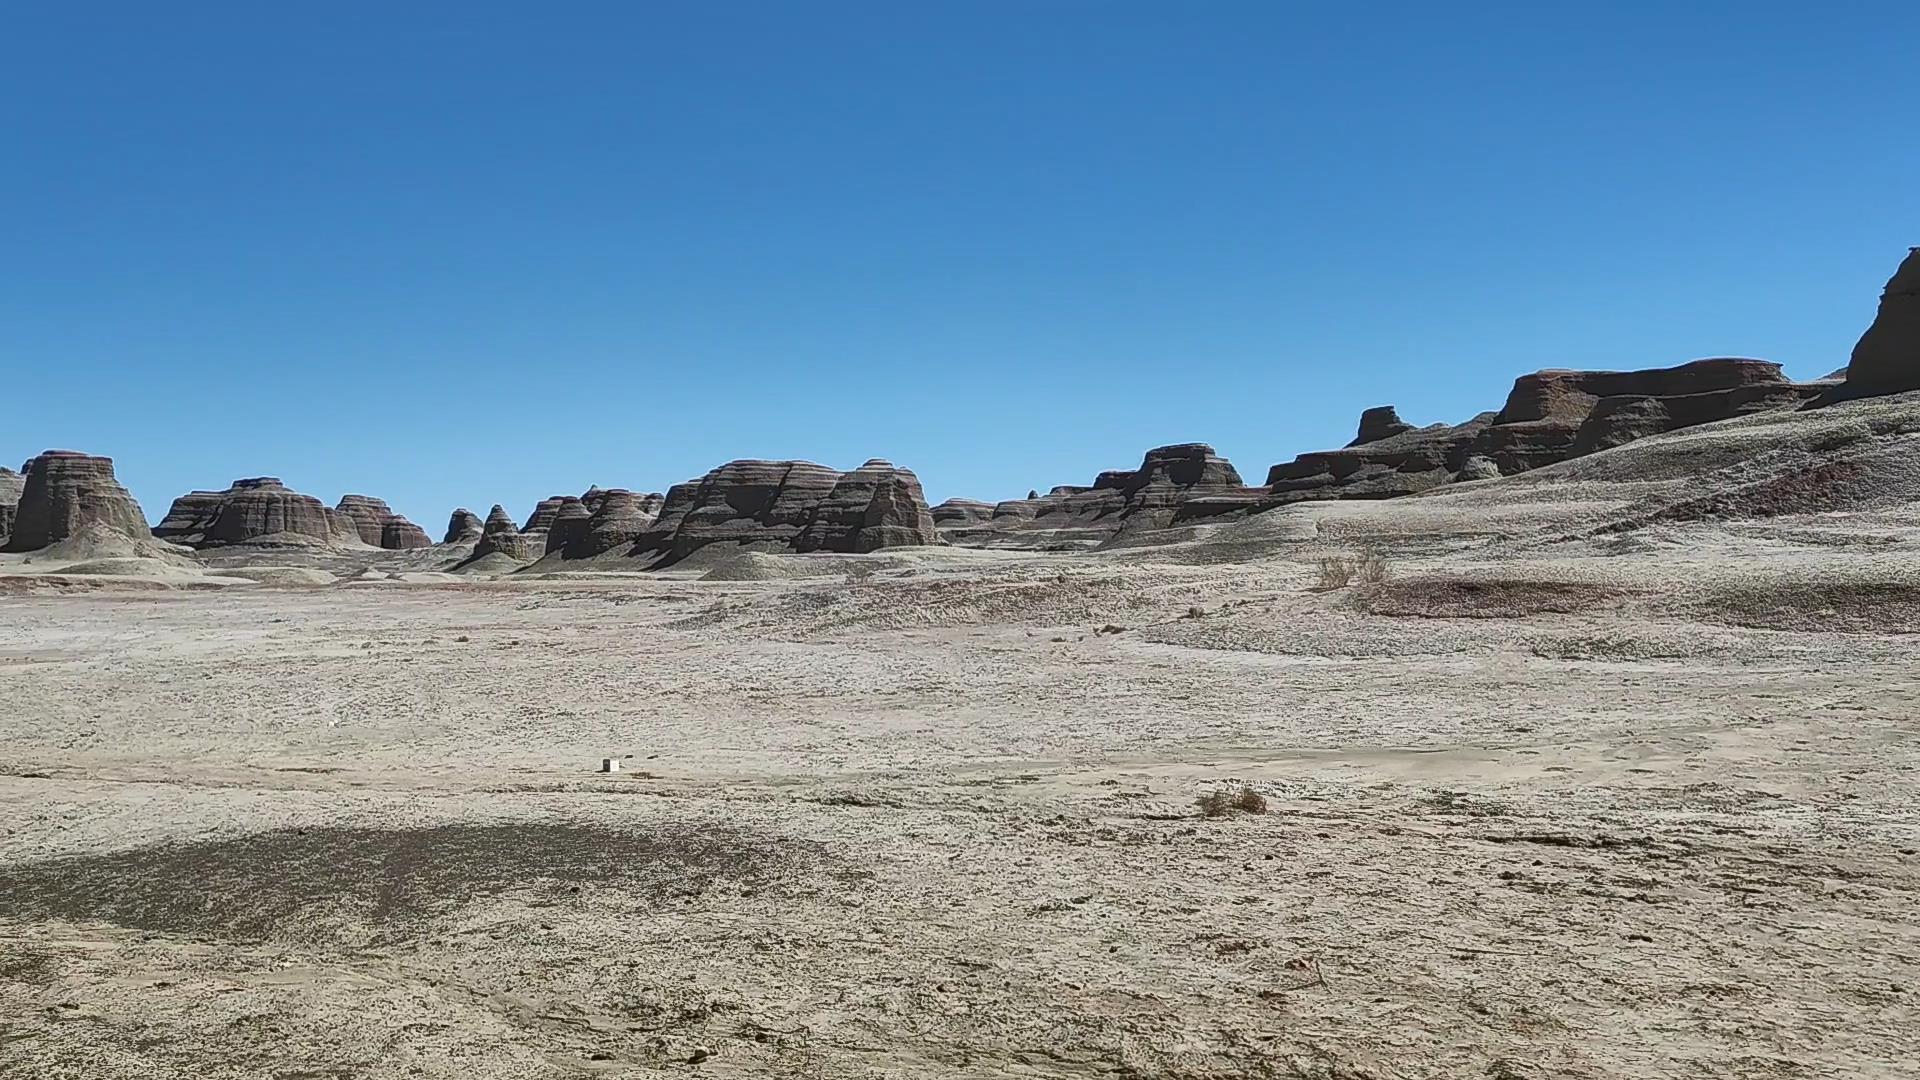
(878, 505)
(257, 509)
(1886, 360)
(1380, 422)
(464, 527)
(567, 529)
(1172, 484)
(501, 537)
(64, 493)
(1545, 410)
(1549, 416)
(263, 507)
(741, 502)
(377, 525)
(544, 512)
(793, 505)
(620, 517)
(964, 512)
(11, 485)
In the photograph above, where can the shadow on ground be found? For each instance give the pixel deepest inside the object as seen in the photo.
(379, 883)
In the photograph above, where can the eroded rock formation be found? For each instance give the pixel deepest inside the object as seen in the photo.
(878, 505)
(378, 526)
(1172, 483)
(464, 527)
(619, 518)
(501, 537)
(1886, 360)
(11, 485)
(64, 492)
(1380, 422)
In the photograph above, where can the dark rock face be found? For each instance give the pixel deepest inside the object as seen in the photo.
(464, 527)
(796, 505)
(250, 510)
(544, 511)
(878, 505)
(1172, 484)
(500, 537)
(741, 502)
(568, 526)
(1549, 416)
(1887, 358)
(1402, 464)
(1380, 422)
(11, 485)
(399, 534)
(63, 492)
(377, 525)
(1545, 410)
(619, 518)
(263, 507)
(961, 512)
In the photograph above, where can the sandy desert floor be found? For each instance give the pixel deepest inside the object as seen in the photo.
(1634, 808)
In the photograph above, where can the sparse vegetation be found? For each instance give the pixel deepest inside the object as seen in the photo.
(1367, 567)
(1222, 803)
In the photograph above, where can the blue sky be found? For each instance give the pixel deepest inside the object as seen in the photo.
(474, 253)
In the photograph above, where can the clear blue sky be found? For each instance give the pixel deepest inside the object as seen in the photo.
(469, 253)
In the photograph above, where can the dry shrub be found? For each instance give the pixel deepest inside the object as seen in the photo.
(1368, 567)
(1222, 803)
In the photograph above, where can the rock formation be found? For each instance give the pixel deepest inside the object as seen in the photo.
(1886, 360)
(1172, 483)
(378, 526)
(11, 484)
(464, 527)
(64, 492)
(544, 511)
(1549, 416)
(793, 505)
(500, 537)
(567, 529)
(1545, 410)
(263, 507)
(741, 502)
(879, 505)
(619, 518)
(1380, 422)
(258, 509)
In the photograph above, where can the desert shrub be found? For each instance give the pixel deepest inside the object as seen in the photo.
(1368, 567)
(1222, 803)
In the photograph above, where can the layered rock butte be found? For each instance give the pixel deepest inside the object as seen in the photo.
(378, 526)
(796, 505)
(464, 527)
(63, 493)
(258, 509)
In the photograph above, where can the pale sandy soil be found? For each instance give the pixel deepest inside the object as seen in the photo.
(1656, 820)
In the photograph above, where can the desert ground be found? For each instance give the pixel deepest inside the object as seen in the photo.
(1550, 800)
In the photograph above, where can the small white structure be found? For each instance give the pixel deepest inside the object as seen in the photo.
(609, 764)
